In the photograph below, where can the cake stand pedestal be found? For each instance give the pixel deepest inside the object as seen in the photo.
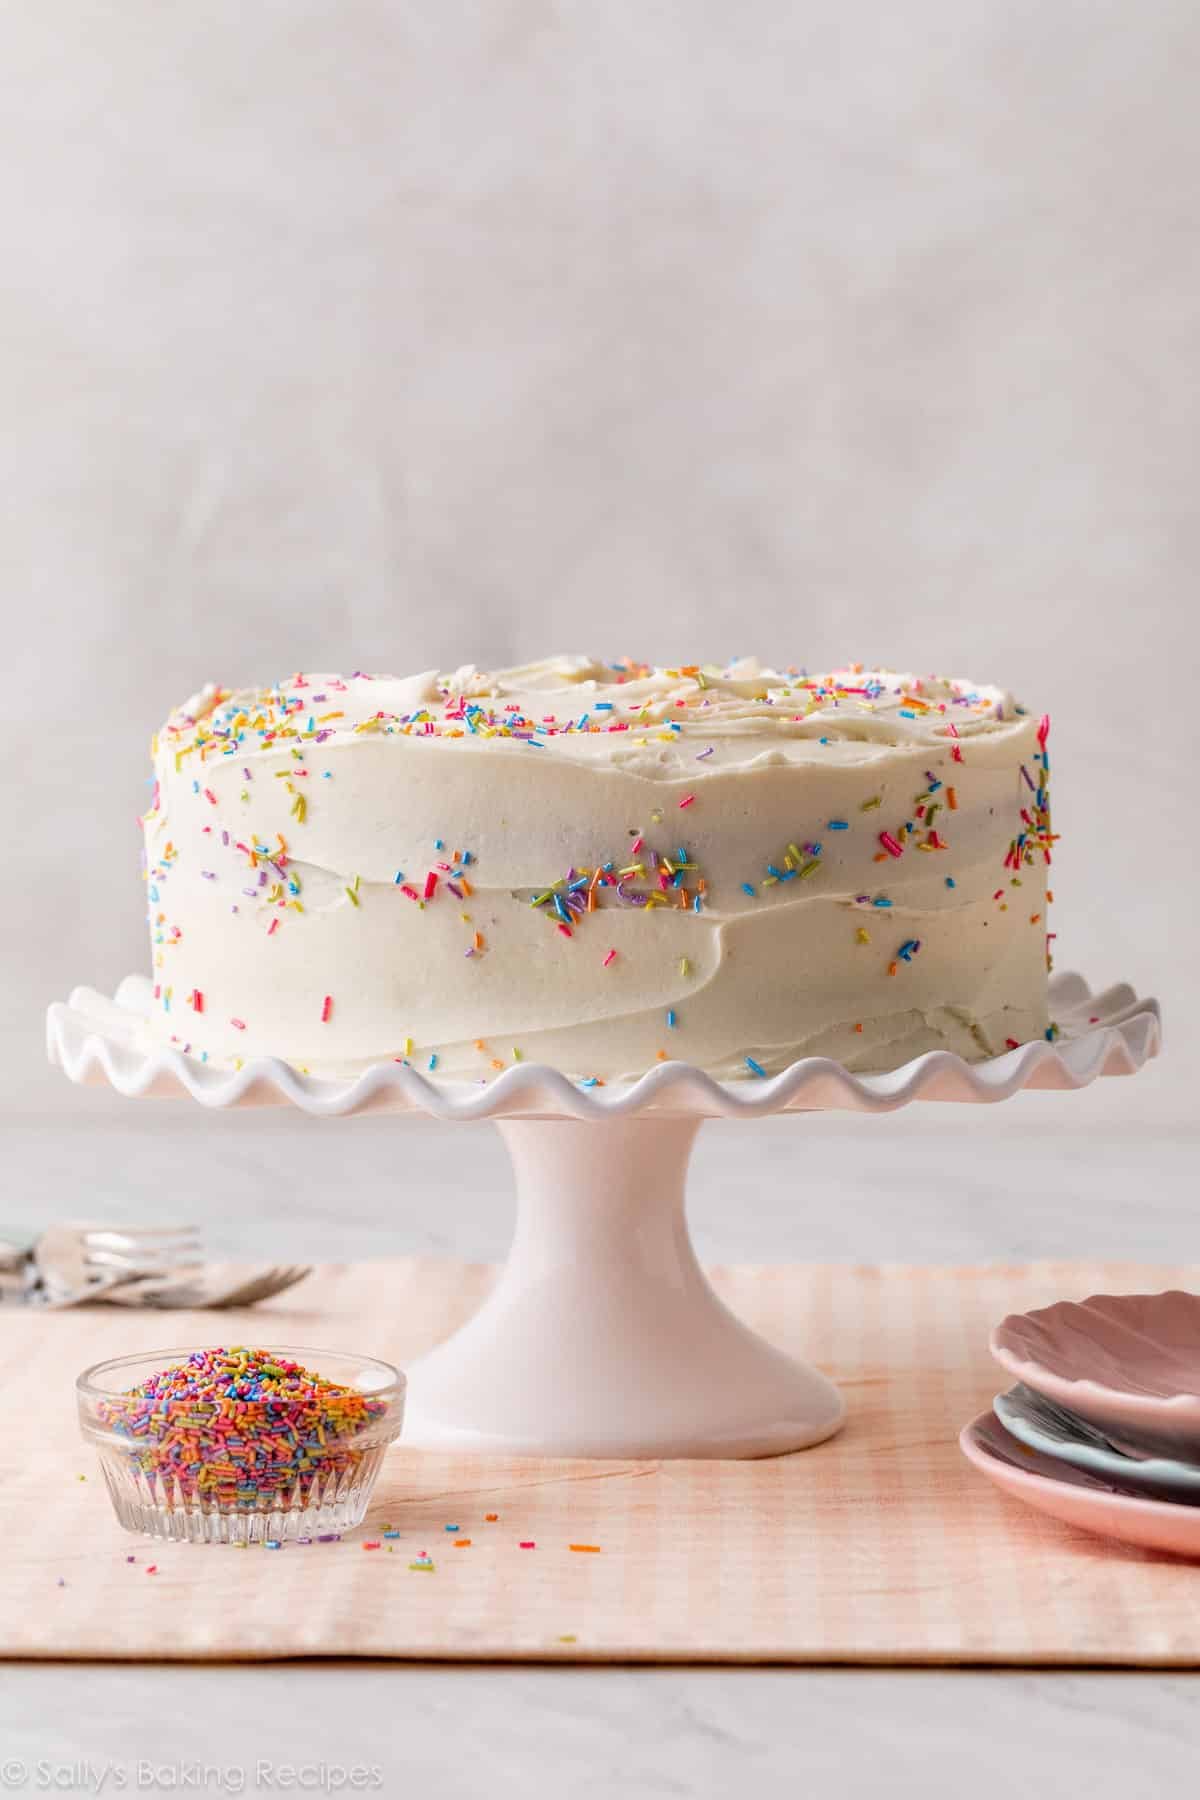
(602, 1336)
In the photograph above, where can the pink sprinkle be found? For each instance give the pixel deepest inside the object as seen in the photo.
(1043, 730)
(238, 1024)
(273, 927)
(327, 1009)
(431, 882)
(410, 891)
(566, 930)
(609, 958)
(687, 800)
(210, 796)
(636, 846)
(890, 845)
(527, 1544)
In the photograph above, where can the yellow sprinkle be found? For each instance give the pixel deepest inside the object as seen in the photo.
(299, 808)
(517, 1054)
(862, 935)
(351, 895)
(870, 805)
(408, 1046)
(685, 967)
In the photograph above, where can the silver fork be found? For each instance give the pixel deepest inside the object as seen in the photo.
(206, 1289)
(80, 1262)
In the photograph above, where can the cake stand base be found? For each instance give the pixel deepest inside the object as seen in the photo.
(602, 1336)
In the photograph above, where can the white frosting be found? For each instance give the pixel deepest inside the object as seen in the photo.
(801, 802)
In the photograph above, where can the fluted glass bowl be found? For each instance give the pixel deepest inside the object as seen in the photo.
(262, 1471)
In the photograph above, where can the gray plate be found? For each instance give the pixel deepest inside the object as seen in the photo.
(1056, 1432)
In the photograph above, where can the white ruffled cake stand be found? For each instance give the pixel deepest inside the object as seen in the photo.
(602, 1337)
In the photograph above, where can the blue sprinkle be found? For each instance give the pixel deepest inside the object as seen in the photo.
(950, 881)
(438, 844)
(432, 1064)
(272, 1544)
(452, 1528)
(696, 904)
(881, 903)
(466, 856)
(837, 825)
(755, 1068)
(671, 1017)
(398, 877)
(391, 1534)
(326, 775)
(905, 714)
(747, 889)
(604, 706)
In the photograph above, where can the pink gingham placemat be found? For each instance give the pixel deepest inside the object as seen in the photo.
(880, 1546)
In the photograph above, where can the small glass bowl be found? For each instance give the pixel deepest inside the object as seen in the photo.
(171, 1476)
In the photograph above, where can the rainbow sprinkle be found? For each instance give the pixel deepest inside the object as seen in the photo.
(242, 1429)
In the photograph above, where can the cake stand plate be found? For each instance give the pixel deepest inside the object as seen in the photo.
(602, 1336)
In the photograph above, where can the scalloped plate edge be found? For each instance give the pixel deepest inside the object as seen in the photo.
(93, 1039)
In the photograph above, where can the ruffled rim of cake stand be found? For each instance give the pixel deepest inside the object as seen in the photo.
(96, 1039)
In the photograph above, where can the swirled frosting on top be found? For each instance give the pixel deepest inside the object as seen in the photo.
(633, 716)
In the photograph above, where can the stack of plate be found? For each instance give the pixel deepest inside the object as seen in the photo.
(1102, 1429)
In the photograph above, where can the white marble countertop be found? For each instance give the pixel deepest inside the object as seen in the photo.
(1043, 1175)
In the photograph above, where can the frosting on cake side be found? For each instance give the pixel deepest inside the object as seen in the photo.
(600, 867)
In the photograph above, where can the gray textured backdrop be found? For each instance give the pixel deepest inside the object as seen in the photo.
(390, 334)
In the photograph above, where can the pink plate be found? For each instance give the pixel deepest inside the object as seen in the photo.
(1075, 1497)
(1127, 1363)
